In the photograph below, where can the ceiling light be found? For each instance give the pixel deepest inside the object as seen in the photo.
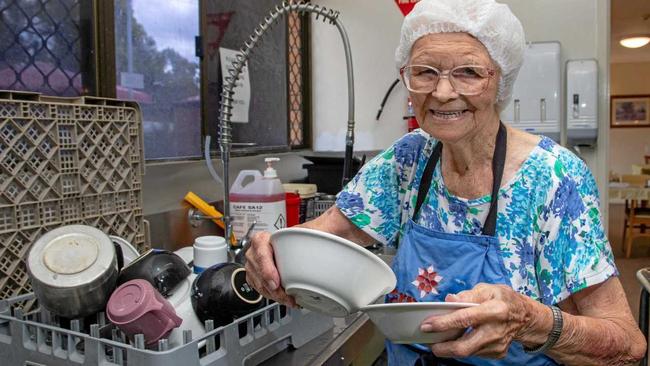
(635, 42)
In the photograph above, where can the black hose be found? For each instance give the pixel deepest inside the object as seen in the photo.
(383, 102)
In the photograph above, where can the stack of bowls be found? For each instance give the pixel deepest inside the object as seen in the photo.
(329, 274)
(334, 276)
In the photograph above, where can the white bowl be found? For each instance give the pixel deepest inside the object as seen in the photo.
(400, 322)
(129, 253)
(329, 274)
(182, 302)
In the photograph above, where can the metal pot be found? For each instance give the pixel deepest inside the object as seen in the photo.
(73, 270)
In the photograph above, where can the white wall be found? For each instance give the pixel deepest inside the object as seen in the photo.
(373, 28)
(627, 145)
(582, 26)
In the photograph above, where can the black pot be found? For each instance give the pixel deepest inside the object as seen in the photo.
(221, 293)
(163, 269)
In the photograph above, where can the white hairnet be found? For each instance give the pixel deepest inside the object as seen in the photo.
(493, 24)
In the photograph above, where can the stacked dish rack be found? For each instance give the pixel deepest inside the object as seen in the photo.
(37, 338)
(66, 161)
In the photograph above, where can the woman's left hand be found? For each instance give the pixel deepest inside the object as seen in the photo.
(499, 319)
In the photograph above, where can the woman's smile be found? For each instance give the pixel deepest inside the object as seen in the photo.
(449, 115)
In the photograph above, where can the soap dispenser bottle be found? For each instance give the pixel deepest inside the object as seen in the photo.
(261, 200)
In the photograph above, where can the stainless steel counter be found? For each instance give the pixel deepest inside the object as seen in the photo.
(353, 339)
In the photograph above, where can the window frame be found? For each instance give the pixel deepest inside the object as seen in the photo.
(106, 80)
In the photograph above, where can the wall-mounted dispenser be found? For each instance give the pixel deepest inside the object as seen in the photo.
(582, 102)
(536, 104)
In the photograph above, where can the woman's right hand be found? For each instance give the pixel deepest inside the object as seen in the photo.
(261, 272)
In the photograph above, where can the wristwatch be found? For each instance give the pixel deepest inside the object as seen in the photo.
(556, 331)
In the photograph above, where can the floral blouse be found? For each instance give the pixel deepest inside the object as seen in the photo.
(549, 225)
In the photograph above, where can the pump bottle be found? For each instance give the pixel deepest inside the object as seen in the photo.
(261, 200)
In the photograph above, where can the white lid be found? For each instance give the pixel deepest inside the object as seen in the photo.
(303, 189)
(210, 242)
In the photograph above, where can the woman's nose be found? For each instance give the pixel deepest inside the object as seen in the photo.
(444, 91)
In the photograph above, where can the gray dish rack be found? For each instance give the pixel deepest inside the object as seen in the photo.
(37, 338)
(322, 203)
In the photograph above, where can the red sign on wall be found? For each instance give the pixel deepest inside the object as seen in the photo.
(406, 5)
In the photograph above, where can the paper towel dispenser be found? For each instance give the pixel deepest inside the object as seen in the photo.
(536, 104)
(582, 102)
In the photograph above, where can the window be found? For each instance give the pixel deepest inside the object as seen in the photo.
(297, 85)
(156, 65)
(45, 46)
(276, 72)
(145, 50)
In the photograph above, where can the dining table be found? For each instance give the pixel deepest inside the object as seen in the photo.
(624, 191)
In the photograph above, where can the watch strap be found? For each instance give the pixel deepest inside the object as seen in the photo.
(554, 335)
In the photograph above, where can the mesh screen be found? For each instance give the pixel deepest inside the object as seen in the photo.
(43, 46)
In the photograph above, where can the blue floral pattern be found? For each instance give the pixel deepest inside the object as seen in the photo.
(549, 225)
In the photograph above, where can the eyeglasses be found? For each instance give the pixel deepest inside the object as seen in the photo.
(465, 79)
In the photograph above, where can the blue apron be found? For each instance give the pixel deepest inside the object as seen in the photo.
(430, 264)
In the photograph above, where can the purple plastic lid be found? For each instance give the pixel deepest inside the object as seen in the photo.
(130, 301)
(137, 307)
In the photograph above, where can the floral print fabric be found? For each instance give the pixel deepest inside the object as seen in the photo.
(549, 225)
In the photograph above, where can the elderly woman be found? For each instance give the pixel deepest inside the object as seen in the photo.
(481, 212)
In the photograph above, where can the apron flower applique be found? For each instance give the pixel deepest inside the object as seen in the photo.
(426, 281)
(396, 296)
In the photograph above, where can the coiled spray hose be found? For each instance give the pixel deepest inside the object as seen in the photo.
(225, 110)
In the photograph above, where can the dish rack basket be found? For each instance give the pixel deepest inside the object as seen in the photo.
(66, 161)
(322, 203)
(36, 338)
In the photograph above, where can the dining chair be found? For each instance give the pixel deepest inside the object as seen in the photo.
(637, 215)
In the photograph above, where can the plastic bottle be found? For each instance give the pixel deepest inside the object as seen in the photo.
(262, 200)
(208, 251)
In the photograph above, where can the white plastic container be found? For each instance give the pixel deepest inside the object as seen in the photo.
(261, 200)
(208, 251)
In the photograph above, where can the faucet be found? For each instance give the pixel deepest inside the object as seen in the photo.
(225, 110)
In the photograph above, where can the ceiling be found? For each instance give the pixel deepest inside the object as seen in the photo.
(628, 18)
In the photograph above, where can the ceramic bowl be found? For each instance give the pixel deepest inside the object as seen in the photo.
(129, 253)
(162, 269)
(221, 293)
(400, 322)
(329, 274)
(182, 302)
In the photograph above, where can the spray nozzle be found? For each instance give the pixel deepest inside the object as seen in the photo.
(270, 172)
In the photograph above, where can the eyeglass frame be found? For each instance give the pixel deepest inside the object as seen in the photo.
(446, 75)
